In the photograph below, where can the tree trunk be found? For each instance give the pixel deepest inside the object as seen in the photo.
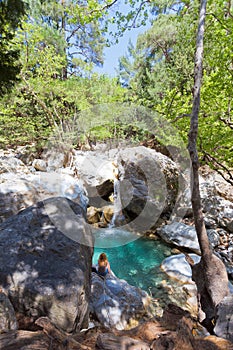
(210, 274)
(63, 27)
(192, 146)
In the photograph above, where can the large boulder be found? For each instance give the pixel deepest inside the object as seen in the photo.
(176, 266)
(115, 303)
(180, 235)
(96, 170)
(21, 190)
(45, 262)
(184, 291)
(185, 236)
(148, 185)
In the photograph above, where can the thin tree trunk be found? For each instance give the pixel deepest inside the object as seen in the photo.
(63, 26)
(192, 146)
(210, 273)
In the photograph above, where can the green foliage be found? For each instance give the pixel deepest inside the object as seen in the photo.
(37, 106)
(159, 74)
(60, 42)
(11, 12)
(76, 27)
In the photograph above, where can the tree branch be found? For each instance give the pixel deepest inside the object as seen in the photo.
(215, 162)
(180, 117)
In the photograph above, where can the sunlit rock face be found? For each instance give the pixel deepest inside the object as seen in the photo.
(45, 262)
(20, 190)
(148, 186)
(180, 235)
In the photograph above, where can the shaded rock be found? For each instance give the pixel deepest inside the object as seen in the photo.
(180, 235)
(224, 322)
(45, 265)
(7, 315)
(115, 303)
(172, 315)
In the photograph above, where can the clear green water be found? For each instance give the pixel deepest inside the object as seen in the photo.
(137, 261)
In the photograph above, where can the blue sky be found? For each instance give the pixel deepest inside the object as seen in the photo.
(113, 53)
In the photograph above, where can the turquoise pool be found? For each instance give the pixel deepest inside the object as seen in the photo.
(133, 259)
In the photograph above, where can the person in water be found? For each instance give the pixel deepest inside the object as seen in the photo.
(103, 267)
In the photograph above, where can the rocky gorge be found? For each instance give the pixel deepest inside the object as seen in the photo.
(48, 209)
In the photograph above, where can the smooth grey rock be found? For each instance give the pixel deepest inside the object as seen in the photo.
(180, 235)
(45, 262)
(114, 302)
(176, 266)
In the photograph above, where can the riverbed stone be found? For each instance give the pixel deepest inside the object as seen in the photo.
(40, 164)
(9, 163)
(45, 262)
(115, 303)
(176, 266)
(180, 235)
(224, 319)
(18, 191)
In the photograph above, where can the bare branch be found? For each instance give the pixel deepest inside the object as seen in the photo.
(181, 117)
(225, 173)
